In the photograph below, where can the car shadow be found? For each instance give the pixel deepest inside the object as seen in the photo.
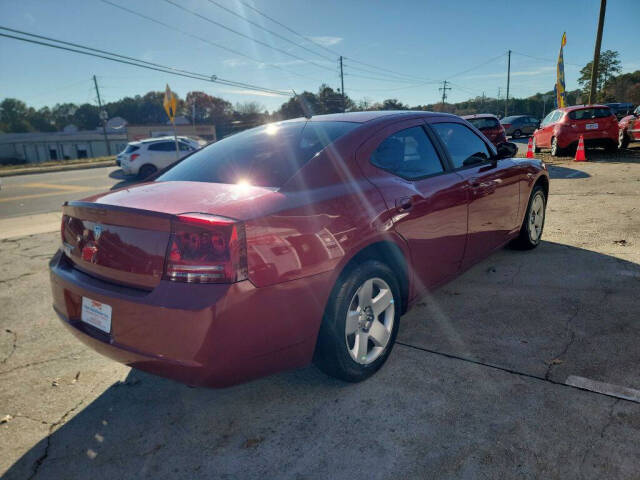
(149, 427)
(557, 172)
(125, 180)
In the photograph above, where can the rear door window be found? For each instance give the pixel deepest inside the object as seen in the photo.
(409, 154)
(464, 146)
(162, 147)
(265, 156)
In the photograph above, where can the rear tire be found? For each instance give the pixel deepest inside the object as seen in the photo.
(146, 171)
(533, 223)
(360, 322)
(516, 134)
(556, 151)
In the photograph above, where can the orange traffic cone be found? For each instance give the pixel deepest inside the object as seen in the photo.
(530, 148)
(580, 151)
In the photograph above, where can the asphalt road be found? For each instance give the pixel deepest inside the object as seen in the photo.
(480, 385)
(46, 192)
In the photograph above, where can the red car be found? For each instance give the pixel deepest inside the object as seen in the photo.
(561, 129)
(629, 129)
(489, 125)
(300, 240)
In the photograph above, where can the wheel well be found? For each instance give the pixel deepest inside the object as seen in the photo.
(544, 182)
(391, 255)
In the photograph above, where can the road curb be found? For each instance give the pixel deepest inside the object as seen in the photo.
(57, 168)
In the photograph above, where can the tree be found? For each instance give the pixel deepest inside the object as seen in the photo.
(608, 66)
(13, 116)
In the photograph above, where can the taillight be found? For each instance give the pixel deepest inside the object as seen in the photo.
(133, 156)
(506, 125)
(206, 249)
(63, 225)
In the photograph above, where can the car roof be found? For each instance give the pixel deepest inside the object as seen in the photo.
(581, 107)
(367, 116)
(146, 141)
(479, 115)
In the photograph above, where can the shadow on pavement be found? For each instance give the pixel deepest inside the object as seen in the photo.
(556, 172)
(125, 180)
(421, 413)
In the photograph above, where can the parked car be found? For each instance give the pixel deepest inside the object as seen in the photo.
(146, 157)
(620, 109)
(516, 126)
(300, 240)
(489, 125)
(629, 129)
(562, 128)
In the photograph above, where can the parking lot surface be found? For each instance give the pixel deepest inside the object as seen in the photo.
(480, 384)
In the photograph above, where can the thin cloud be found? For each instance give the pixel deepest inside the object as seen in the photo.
(524, 73)
(234, 62)
(242, 91)
(327, 41)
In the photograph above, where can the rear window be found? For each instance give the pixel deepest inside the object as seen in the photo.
(509, 119)
(265, 156)
(484, 123)
(589, 113)
(131, 148)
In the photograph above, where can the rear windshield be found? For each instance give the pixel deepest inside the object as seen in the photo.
(131, 148)
(509, 119)
(484, 123)
(265, 156)
(589, 113)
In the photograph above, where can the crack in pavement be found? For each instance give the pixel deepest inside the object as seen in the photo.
(609, 422)
(13, 346)
(18, 277)
(509, 370)
(52, 426)
(40, 362)
(572, 337)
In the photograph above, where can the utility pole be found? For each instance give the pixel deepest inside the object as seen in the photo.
(506, 102)
(102, 117)
(444, 89)
(483, 97)
(342, 85)
(596, 54)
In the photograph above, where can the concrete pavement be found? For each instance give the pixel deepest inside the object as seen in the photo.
(475, 388)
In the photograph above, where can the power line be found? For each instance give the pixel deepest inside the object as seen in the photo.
(477, 66)
(205, 40)
(543, 59)
(284, 52)
(89, 51)
(251, 7)
(275, 34)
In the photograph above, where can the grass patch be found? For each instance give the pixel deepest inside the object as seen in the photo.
(57, 163)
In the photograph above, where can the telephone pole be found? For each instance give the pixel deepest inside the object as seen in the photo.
(596, 54)
(342, 85)
(444, 89)
(102, 117)
(506, 102)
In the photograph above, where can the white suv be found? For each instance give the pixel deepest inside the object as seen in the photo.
(146, 157)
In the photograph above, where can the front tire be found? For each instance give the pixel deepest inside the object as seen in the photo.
(516, 134)
(623, 140)
(533, 223)
(360, 323)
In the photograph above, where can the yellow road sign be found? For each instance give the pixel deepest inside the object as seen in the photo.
(170, 103)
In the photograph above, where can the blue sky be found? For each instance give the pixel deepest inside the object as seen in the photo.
(426, 40)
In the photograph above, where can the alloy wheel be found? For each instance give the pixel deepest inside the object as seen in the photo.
(370, 321)
(536, 217)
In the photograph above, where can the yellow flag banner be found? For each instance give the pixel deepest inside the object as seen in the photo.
(560, 84)
(170, 103)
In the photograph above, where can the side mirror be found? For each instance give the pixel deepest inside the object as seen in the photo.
(507, 150)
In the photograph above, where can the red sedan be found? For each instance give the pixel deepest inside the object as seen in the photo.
(489, 125)
(300, 240)
(562, 128)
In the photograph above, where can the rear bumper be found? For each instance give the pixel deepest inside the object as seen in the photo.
(211, 335)
(591, 139)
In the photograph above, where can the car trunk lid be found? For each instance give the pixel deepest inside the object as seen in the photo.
(123, 236)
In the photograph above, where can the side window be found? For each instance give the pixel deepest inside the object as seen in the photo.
(556, 116)
(464, 146)
(409, 154)
(184, 147)
(162, 147)
(547, 119)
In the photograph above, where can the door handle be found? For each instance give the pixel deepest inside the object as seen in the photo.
(404, 204)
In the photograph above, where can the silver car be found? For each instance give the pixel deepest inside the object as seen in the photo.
(516, 126)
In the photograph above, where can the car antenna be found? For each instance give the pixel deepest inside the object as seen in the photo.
(305, 108)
